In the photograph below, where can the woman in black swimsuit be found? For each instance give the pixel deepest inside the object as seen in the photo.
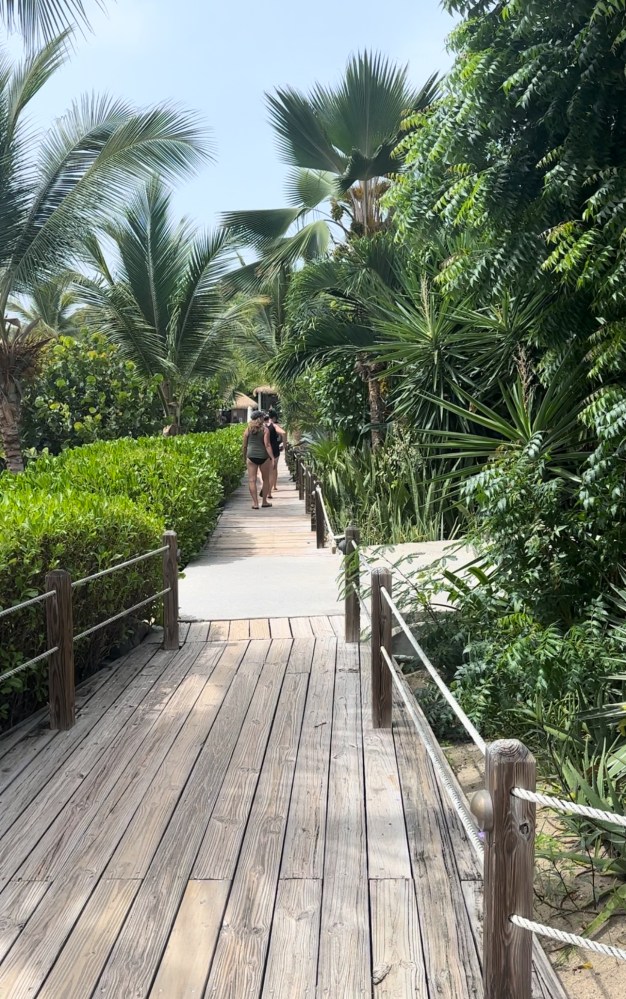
(276, 432)
(258, 454)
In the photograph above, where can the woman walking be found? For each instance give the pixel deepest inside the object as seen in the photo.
(276, 433)
(258, 452)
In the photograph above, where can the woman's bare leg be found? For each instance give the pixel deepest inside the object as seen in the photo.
(275, 473)
(252, 474)
(266, 471)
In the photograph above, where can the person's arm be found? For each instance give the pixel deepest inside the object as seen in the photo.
(245, 444)
(267, 442)
(279, 430)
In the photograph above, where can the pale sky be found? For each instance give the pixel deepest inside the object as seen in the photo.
(220, 58)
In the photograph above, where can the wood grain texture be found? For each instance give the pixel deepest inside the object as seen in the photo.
(451, 957)
(137, 951)
(303, 855)
(301, 655)
(292, 960)
(280, 628)
(397, 958)
(239, 631)
(80, 962)
(218, 631)
(17, 904)
(300, 627)
(259, 628)
(198, 631)
(344, 961)
(185, 964)
(239, 961)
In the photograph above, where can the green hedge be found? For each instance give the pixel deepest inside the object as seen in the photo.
(87, 509)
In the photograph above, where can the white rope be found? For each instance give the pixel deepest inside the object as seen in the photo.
(569, 938)
(562, 805)
(331, 533)
(461, 806)
(471, 729)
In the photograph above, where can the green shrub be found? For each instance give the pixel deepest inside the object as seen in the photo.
(82, 533)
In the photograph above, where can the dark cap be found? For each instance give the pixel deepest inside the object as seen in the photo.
(257, 414)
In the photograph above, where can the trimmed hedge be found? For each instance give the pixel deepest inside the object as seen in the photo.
(87, 509)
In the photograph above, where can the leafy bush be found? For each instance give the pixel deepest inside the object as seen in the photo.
(87, 391)
(86, 509)
(82, 533)
(181, 480)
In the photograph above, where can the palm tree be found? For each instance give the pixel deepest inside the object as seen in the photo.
(81, 170)
(43, 19)
(342, 143)
(51, 305)
(163, 301)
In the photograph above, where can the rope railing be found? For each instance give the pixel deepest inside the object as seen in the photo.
(60, 626)
(469, 727)
(564, 936)
(124, 613)
(329, 527)
(120, 565)
(571, 807)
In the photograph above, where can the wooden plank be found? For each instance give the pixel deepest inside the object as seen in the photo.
(387, 845)
(337, 623)
(300, 627)
(17, 904)
(134, 753)
(239, 961)
(217, 857)
(134, 959)
(301, 655)
(280, 628)
(321, 626)
(86, 763)
(80, 962)
(397, 960)
(239, 631)
(348, 658)
(292, 960)
(279, 651)
(259, 628)
(452, 965)
(303, 855)
(143, 834)
(183, 631)
(218, 631)
(189, 952)
(344, 962)
(198, 631)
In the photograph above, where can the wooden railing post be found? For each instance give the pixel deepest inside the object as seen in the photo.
(313, 503)
(307, 491)
(351, 586)
(320, 525)
(381, 638)
(296, 472)
(509, 871)
(301, 480)
(170, 600)
(60, 630)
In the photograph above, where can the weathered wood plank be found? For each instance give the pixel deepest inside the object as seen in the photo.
(300, 627)
(144, 832)
(303, 855)
(189, 952)
(321, 626)
(452, 964)
(239, 631)
(239, 960)
(348, 658)
(292, 960)
(137, 951)
(218, 631)
(280, 628)
(397, 958)
(17, 904)
(217, 857)
(301, 655)
(259, 628)
(344, 959)
(338, 625)
(198, 631)
(387, 846)
(81, 960)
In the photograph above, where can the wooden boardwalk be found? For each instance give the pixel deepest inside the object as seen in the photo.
(224, 821)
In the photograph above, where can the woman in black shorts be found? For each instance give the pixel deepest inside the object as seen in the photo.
(258, 453)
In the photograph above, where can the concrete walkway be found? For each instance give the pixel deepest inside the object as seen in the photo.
(261, 564)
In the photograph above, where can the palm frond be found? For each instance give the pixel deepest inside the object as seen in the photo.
(308, 188)
(260, 228)
(43, 19)
(301, 137)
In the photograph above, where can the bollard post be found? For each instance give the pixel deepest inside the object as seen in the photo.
(351, 586)
(320, 526)
(170, 600)
(509, 871)
(381, 638)
(60, 631)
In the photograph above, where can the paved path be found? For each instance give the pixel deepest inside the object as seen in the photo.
(261, 564)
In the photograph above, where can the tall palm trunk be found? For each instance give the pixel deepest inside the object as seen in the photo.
(10, 413)
(369, 372)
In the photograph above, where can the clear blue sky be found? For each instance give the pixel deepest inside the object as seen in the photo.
(220, 57)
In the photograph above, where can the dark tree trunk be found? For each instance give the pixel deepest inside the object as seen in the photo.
(10, 415)
(377, 410)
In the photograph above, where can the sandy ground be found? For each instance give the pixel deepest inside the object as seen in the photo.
(584, 975)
